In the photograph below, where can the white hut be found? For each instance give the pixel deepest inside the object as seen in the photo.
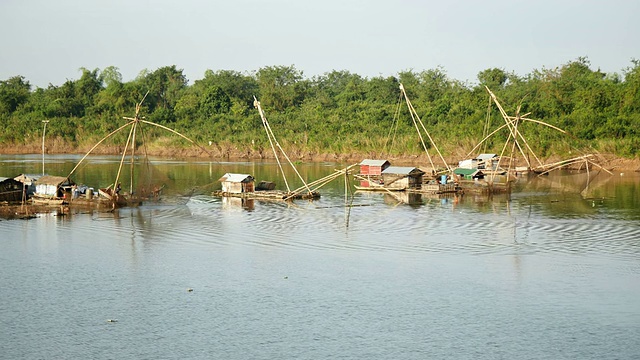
(52, 186)
(237, 183)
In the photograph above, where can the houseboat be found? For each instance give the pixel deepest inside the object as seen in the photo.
(395, 178)
(370, 175)
(52, 190)
(243, 186)
(12, 191)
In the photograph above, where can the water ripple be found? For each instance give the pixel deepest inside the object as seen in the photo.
(329, 225)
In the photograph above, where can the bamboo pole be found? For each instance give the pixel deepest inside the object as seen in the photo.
(132, 121)
(413, 112)
(487, 123)
(317, 184)
(270, 133)
(177, 133)
(513, 149)
(415, 124)
(567, 162)
(509, 124)
(265, 124)
(133, 154)
(95, 146)
(124, 153)
(394, 127)
(493, 174)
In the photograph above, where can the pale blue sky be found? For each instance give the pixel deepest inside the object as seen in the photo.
(47, 41)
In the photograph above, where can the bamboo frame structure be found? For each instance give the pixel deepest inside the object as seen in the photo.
(135, 123)
(274, 143)
(317, 184)
(417, 121)
(519, 142)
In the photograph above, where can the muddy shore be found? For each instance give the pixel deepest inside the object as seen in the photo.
(219, 152)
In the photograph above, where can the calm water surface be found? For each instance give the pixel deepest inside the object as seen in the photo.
(552, 272)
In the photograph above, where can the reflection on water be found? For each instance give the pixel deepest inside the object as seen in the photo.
(550, 271)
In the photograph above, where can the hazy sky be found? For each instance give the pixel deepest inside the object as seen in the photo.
(48, 41)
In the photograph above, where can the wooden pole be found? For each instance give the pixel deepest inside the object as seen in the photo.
(96, 145)
(133, 155)
(413, 113)
(256, 103)
(124, 153)
(177, 133)
(272, 136)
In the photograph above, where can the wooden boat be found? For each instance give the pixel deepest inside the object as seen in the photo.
(40, 199)
(119, 200)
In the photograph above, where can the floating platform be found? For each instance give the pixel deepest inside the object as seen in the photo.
(269, 195)
(450, 188)
(424, 189)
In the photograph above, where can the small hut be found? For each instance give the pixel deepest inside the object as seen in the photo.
(402, 177)
(53, 186)
(469, 174)
(373, 167)
(371, 173)
(237, 183)
(11, 190)
(482, 161)
(487, 161)
(29, 182)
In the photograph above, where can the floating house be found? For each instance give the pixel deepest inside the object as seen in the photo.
(237, 183)
(243, 186)
(52, 186)
(29, 182)
(469, 174)
(370, 175)
(482, 161)
(373, 167)
(402, 177)
(11, 190)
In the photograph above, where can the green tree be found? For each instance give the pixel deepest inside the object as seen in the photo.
(165, 86)
(281, 87)
(14, 92)
(493, 78)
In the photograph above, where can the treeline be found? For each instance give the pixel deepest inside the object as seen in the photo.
(338, 112)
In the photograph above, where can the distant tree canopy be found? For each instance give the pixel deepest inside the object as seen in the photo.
(335, 112)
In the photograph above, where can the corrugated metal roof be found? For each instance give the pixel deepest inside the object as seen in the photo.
(401, 170)
(53, 180)
(371, 162)
(486, 156)
(236, 178)
(465, 172)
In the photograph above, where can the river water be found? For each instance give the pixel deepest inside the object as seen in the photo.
(550, 272)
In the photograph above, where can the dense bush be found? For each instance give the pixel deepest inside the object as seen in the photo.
(338, 111)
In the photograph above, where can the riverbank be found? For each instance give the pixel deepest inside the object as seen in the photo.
(232, 152)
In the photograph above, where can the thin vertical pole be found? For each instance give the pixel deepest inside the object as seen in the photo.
(44, 130)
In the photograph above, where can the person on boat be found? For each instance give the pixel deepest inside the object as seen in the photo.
(118, 188)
